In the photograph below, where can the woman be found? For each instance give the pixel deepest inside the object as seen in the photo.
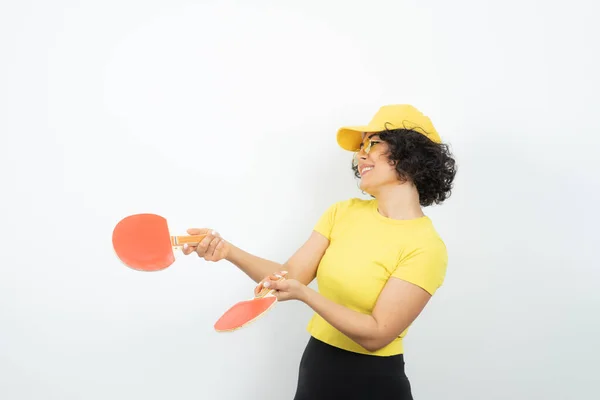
(377, 262)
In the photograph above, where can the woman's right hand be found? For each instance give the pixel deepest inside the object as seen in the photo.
(268, 281)
(212, 248)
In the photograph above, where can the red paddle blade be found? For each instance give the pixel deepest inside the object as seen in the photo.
(142, 242)
(243, 313)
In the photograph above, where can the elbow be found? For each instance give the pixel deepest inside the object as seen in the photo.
(379, 336)
(375, 344)
(371, 347)
(379, 340)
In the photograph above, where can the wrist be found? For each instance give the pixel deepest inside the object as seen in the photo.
(305, 294)
(231, 254)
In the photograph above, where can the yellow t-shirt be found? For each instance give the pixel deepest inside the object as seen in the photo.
(365, 250)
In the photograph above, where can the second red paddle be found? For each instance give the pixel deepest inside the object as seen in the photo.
(245, 312)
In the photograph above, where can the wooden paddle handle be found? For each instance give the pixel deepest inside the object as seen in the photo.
(188, 239)
(266, 290)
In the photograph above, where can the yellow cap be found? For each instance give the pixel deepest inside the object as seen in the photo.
(397, 116)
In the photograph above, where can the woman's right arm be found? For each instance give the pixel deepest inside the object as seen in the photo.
(302, 265)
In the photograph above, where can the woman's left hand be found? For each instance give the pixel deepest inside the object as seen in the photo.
(283, 289)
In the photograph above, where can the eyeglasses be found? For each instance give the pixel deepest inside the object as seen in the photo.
(366, 149)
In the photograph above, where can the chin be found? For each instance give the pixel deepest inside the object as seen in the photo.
(365, 187)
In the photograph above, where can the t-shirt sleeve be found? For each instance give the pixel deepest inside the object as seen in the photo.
(325, 223)
(424, 266)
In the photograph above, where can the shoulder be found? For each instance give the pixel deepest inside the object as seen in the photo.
(428, 243)
(425, 263)
(350, 205)
(425, 250)
(347, 209)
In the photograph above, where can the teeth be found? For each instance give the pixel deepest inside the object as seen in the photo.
(366, 169)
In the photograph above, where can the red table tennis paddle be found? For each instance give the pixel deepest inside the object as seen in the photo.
(245, 312)
(143, 242)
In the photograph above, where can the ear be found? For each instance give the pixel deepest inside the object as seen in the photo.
(393, 163)
(402, 176)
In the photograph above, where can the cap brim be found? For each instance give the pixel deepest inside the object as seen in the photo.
(350, 137)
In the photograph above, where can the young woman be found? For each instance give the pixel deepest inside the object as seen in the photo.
(377, 262)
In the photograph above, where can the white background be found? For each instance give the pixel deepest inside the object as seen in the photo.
(223, 114)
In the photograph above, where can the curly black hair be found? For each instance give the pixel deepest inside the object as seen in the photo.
(429, 165)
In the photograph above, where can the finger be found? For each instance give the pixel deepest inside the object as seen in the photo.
(278, 286)
(210, 251)
(281, 296)
(265, 283)
(220, 249)
(198, 231)
(269, 280)
(203, 245)
(215, 245)
(261, 285)
(187, 249)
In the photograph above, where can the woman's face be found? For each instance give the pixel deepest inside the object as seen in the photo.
(374, 167)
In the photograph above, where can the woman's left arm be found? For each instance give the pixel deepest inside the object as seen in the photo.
(399, 303)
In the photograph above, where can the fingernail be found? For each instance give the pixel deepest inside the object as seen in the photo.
(214, 233)
(185, 246)
(266, 284)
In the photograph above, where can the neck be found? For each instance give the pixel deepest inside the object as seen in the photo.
(399, 202)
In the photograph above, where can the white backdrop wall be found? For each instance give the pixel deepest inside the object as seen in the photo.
(223, 114)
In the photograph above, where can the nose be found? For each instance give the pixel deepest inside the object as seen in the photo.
(359, 155)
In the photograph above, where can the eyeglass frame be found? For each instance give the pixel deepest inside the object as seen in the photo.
(367, 149)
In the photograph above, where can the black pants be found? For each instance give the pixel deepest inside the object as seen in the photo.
(327, 372)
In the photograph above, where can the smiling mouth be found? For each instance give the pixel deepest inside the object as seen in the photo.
(365, 169)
